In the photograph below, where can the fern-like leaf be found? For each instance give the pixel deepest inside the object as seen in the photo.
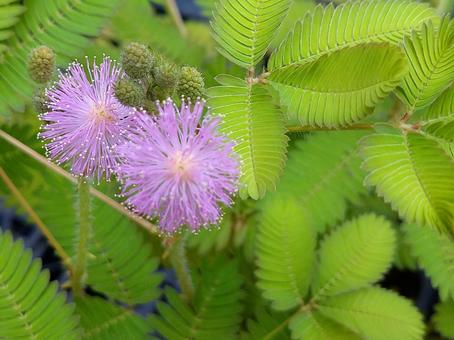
(327, 30)
(265, 325)
(285, 251)
(10, 10)
(323, 170)
(245, 29)
(63, 25)
(257, 125)
(375, 313)
(412, 173)
(354, 256)
(431, 57)
(340, 88)
(438, 122)
(442, 319)
(100, 319)
(314, 326)
(435, 255)
(216, 311)
(30, 307)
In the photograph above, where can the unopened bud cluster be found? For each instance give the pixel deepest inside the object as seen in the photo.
(150, 77)
(41, 68)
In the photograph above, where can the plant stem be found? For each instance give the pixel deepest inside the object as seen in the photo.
(445, 6)
(174, 12)
(66, 259)
(80, 269)
(310, 128)
(180, 265)
(152, 229)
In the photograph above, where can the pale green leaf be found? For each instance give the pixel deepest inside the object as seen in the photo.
(245, 29)
(250, 117)
(412, 173)
(444, 313)
(355, 255)
(285, 250)
(375, 314)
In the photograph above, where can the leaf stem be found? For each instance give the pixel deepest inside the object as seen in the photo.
(174, 12)
(149, 227)
(301, 128)
(66, 259)
(180, 265)
(80, 268)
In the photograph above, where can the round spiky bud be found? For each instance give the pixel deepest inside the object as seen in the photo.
(129, 92)
(41, 64)
(136, 60)
(191, 84)
(40, 101)
(166, 76)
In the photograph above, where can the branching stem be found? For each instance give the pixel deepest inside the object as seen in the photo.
(80, 268)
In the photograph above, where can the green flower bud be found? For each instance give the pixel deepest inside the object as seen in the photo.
(136, 60)
(191, 84)
(40, 101)
(166, 76)
(41, 64)
(129, 93)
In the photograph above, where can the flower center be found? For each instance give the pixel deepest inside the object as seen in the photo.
(101, 113)
(181, 166)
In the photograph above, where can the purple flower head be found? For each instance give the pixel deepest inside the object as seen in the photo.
(179, 168)
(86, 121)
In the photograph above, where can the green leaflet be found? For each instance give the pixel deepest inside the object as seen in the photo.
(375, 313)
(412, 173)
(101, 319)
(245, 29)
(435, 255)
(63, 25)
(354, 256)
(443, 319)
(438, 122)
(256, 124)
(10, 12)
(285, 250)
(340, 88)
(327, 29)
(265, 324)
(30, 307)
(314, 326)
(323, 171)
(431, 57)
(216, 311)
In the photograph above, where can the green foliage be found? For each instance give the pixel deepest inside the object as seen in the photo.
(264, 324)
(375, 313)
(443, 319)
(327, 30)
(10, 11)
(64, 26)
(314, 326)
(328, 93)
(341, 268)
(100, 319)
(435, 255)
(215, 312)
(438, 122)
(257, 125)
(412, 173)
(431, 56)
(245, 29)
(285, 254)
(323, 171)
(30, 307)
